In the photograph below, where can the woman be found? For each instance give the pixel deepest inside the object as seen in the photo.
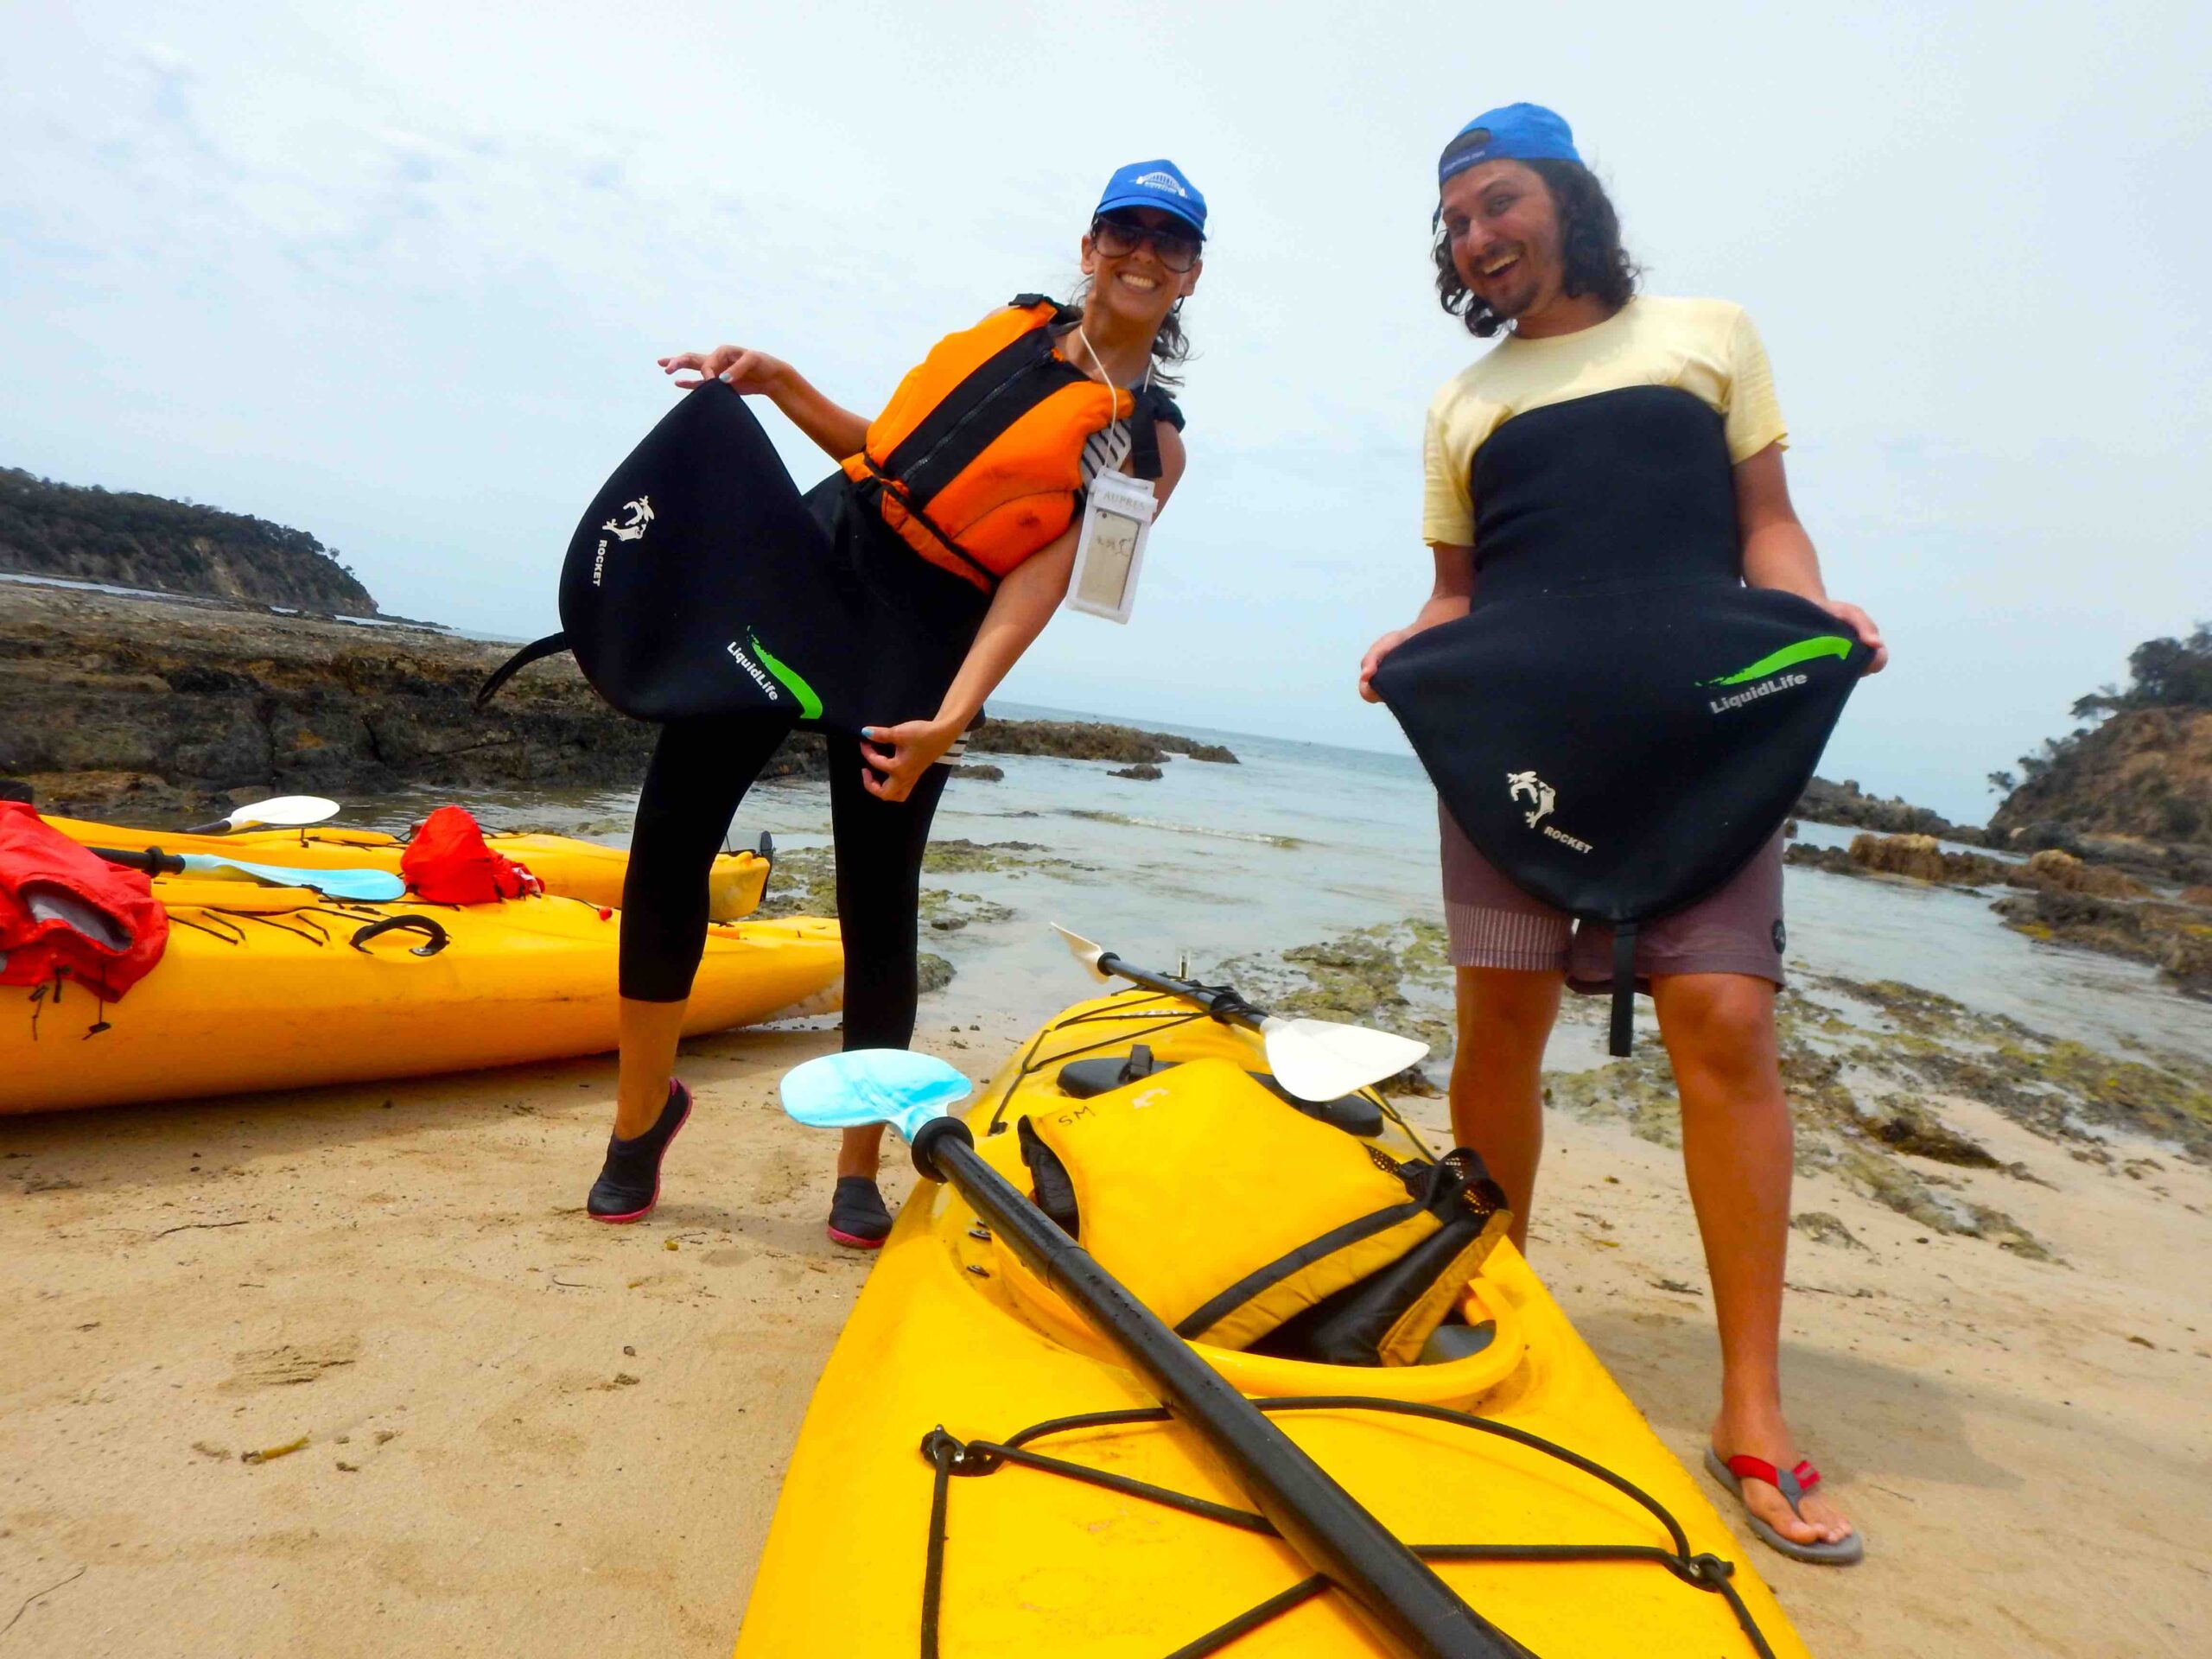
(976, 576)
(1527, 244)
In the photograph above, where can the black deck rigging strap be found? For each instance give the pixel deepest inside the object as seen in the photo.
(948, 1456)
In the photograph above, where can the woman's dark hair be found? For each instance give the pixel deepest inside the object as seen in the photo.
(1590, 249)
(1170, 345)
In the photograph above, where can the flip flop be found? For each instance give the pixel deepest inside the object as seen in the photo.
(1793, 1484)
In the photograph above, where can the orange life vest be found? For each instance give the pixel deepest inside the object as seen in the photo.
(977, 462)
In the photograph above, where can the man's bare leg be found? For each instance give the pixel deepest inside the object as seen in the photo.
(1737, 1148)
(1505, 1017)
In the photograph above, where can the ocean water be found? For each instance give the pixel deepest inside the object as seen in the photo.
(1302, 842)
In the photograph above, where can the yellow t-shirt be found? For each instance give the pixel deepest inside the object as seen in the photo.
(1707, 348)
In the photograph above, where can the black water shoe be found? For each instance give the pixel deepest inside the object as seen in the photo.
(857, 1217)
(629, 1181)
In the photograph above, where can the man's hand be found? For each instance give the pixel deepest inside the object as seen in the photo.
(902, 754)
(1863, 625)
(1376, 652)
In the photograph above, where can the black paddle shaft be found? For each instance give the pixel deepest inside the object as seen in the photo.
(153, 860)
(1219, 1001)
(1401, 1596)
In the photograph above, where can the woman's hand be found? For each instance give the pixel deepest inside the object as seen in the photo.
(1862, 625)
(741, 367)
(902, 754)
(1376, 652)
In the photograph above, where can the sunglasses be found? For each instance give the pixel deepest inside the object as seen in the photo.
(1119, 237)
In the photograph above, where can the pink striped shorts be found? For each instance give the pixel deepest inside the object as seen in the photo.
(1735, 929)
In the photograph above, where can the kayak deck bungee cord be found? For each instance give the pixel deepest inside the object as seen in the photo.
(277, 988)
(569, 866)
(995, 1473)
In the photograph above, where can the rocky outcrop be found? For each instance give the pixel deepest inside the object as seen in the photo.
(2175, 938)
(1090, 740)
(2064, 873)
(2061, 899)
(156, 708)
(2143, 774)
(1846, 804)
(2139, 776)
(127, 540)
(1145, 772)
(1919, 857)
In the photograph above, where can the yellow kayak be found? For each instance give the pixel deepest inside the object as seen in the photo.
(568, 866)
(953, 1343)
(269, 987)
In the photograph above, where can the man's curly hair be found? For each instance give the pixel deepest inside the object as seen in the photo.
(1590, 248)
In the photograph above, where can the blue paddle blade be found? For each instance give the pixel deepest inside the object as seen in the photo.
(376, 887)
(872, 1085)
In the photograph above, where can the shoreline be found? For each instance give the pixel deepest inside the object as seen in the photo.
(170, 706)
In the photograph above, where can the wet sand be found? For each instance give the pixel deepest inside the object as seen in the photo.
(526, 1433)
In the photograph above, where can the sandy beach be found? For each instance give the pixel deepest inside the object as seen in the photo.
(526, 1433)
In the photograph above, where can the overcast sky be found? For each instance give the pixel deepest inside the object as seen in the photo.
(397, 275)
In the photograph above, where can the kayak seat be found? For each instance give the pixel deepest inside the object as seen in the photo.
(1082, 1079)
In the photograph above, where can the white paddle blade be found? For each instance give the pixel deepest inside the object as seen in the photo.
(283, 812)
(1084, 952)
(1319, 1060)
(872, 1085)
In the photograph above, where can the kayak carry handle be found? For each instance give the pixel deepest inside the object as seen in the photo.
(438, 936)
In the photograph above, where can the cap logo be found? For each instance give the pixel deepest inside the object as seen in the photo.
(1161, 182)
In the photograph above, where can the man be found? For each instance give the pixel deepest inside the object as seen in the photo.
(1529, 245)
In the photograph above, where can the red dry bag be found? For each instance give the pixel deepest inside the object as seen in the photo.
(447, 863)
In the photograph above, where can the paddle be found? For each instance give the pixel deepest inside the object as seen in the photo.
(376, 886)
(283, 812)
(1315, 1059)
(1412, 1608)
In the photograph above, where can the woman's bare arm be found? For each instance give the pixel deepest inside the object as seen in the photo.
(837, 431)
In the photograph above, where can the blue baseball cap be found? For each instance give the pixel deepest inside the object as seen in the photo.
(1518, 132)
(1155, 184)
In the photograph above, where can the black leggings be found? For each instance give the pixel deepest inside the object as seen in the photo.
(700, 771)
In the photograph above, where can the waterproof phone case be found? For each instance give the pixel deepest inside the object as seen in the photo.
(1116, 520)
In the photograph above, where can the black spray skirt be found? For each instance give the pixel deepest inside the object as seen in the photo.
(702, 581)
(1620, 752)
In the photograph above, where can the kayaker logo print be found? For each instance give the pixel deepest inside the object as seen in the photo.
(1527, 785)
(1541, 798)
(629, 526)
